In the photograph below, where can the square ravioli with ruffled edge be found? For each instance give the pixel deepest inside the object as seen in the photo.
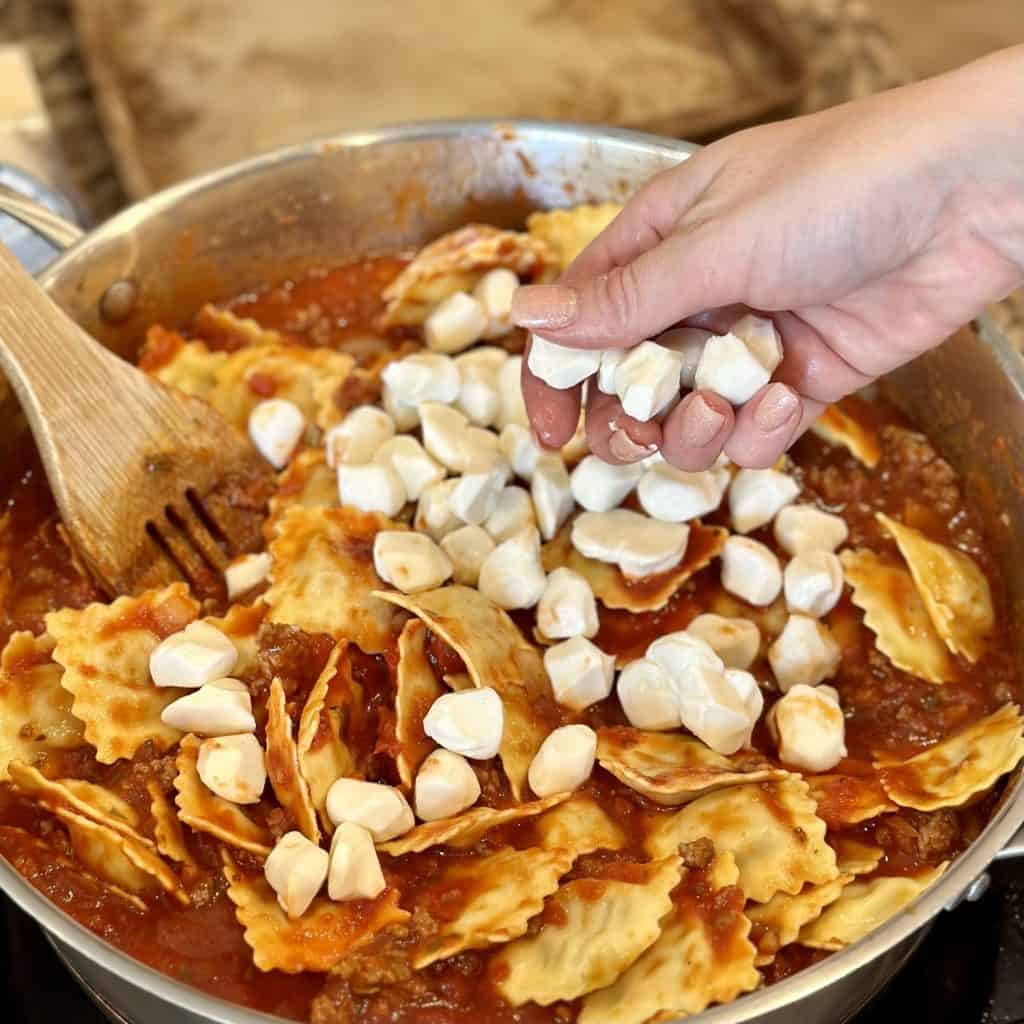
(442, 756)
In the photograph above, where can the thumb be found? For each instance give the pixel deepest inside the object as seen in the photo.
(689, 271)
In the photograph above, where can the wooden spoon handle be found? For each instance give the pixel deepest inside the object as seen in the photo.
(45, 355)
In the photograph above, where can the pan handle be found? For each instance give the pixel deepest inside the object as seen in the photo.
(1014, 849)
(60, 233)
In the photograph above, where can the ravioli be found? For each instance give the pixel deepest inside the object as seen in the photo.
(501, 892)
(78, 797)
(895, 613)
(206, 812)
(35, 710)
(167, 830)
(104, 650)
(771, 829)
(333, 707)
(289, 786)
(957, 769)
(863, 907)
(455, 262)
(568, 232)
(323, 580)
(192, 367)
(307, 481)
(838, 425)
(778, 922)
(466, 828)
(230, 332)
(650, 594)
(417, 689)
(954, 590)
(845, 800)
(116, 858)
(580, 826)
(703, 955)
(292, 372)
(673, 769)
(593, 930)
(318, 940)
(854, 857)
(496, 655)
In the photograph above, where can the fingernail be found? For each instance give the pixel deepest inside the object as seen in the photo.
(777, 407)
(544, 305)
(625, 449)
(701, 422)
(542, 442)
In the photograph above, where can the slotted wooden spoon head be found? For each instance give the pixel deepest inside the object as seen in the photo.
(152, 484)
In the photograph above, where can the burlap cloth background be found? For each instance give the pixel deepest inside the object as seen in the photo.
(848, 53)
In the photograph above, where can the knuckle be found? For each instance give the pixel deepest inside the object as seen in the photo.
(618, 299)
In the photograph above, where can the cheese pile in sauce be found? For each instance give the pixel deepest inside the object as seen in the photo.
(430, 521)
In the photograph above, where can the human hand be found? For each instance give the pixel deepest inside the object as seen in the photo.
(869, 233)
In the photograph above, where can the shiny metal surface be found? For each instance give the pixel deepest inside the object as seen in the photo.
(333, 200)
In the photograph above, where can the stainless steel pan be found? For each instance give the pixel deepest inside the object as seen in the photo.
(354, 195)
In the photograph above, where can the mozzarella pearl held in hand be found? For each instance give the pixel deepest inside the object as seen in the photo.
(233, 767)
(736, 641)
(688, 343)
(552, 495)
(296, 870)
(564, 761)
(599, 486)
(802, 528)
(382, 810)
(354, 871)
(762, 339)
(813, 583)
(446, 785)
(647, 380)
(198, 654)
(804, 652)
(676, 496)
(808, 728)
(467, 549)
(638, 545)
(567, 608)
(494, 292)
(357, 437)
(275, 427)
(513, 513)
(455, 324)
(751, 571)
(409, 459)
(610, 360)
(470, 722)
(512, 575)
(410, 561)
(581, 673)
(375, 487)
(737, 367)
(247, 572)
(561, 367)
(648, 697)
(218, 708)
(757, 495)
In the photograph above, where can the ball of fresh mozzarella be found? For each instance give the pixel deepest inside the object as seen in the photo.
(581, 673)
(804, 652)
(446, 785)
(233, 767)
(296, 869)
(564, 761)
(751, 571)
(470, 722)
(736, 641)
(512, 575)
(275, 427)
(382, 810)
(809, 729)
(410, 561)
(567, 608)
(757, 495)
(813, 583)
